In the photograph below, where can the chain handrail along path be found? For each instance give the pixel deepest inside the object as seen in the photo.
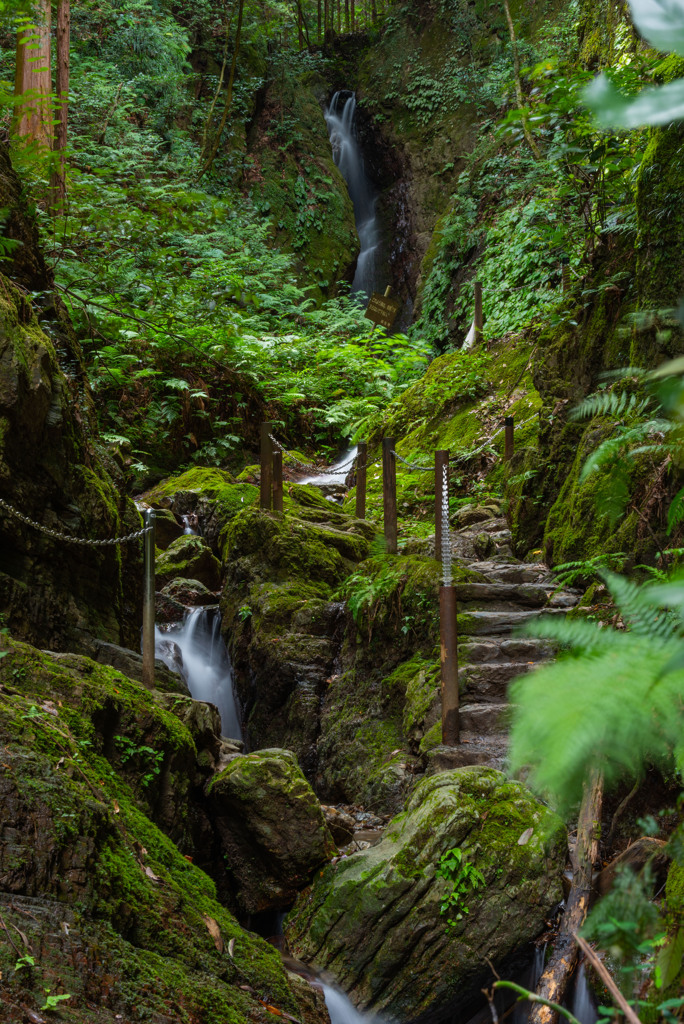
(67, 537)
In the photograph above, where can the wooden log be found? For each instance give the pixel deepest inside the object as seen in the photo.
(448, 628)
(558, 972)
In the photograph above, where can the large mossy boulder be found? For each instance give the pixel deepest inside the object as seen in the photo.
(374, 920)
(209, 493)
(280, 616)
(189, 558)
(272, 827)
(53, 593)
(113, 912)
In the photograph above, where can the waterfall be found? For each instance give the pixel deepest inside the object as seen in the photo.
(583, 1003)
(340, 119)
(203, 662)
(341, 1009)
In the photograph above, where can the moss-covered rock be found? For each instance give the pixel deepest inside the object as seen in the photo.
(373, 919)
(188, 558)
(273, 831)
(115, 915)
(209, 493)
(278, 614)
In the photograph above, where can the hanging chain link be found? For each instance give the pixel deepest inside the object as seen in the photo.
(67, 537)
(446, 539)
(342, 471)
(412, 465)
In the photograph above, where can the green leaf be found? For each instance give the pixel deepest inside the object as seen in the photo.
(661, 22)
(653, 106)
(669, 960)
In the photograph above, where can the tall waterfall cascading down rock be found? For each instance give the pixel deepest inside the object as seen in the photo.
(340, 118)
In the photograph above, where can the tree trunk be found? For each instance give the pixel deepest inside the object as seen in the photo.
(320, 18)
(346, 15)
(33, 80)
(229, 95)
(518, 85)
(58, 176)
(554, 981)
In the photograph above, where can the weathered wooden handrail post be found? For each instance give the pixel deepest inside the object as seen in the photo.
(509, 442)
(148, 601)
(389, 494)
(477, 317)
(441, 461)
(277, 481)
(565, 274)
(266, 475)
(361, 466)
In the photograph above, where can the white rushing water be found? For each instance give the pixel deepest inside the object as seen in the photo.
(205, 663)
(347, 156)
(341, 1008)
(583, 1002)
(337, 472)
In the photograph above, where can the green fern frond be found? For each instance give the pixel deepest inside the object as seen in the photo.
(568, 573)
(576, 634)
(609, 711)
(609, 403)
(675, 513)
(643, 609)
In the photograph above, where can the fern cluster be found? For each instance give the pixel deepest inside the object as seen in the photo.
(615, 702)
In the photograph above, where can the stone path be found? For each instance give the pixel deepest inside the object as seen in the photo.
(490, 656)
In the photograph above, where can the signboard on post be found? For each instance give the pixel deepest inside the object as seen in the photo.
(382, 310)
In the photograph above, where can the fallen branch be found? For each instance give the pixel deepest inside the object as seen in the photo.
(606, 978)
(554, 981)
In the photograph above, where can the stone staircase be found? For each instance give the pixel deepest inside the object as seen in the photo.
(490, 613)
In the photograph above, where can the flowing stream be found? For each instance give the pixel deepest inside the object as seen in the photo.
(203, 662)
(340, 118)
(334, 474)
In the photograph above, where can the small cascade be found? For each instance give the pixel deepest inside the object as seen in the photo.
(347, 156)
(334, 474)
(195, 648)
(341, 1008)
(191, 525)
(583, 1003)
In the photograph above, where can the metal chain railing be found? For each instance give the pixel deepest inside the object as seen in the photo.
(67, 537)
(446, 538)
(412, 465)
(341, 471)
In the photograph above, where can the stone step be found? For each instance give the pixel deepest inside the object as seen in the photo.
(514, 572)
(488, 683)
(483, 719)
(531, 595)
(496, 623)
(504, 649)
(489, 750)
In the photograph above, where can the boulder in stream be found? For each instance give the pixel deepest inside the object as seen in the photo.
(373, 919)
(190, 558)
(272, 828)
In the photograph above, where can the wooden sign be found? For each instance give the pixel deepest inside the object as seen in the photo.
(382, 310)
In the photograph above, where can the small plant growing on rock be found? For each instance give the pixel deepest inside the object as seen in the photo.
(465, 879)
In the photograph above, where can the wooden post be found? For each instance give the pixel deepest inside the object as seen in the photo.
(389, 494)
(448, 628)
(508, 438)
(277, 481)
(477, 318)
(265, 500)
(441, 460)
(565, 274)
(148, 603)
(361, 466)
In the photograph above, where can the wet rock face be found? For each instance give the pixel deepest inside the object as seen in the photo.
(114, 913)
(373, 919)
(189, 558)
(273, 831)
